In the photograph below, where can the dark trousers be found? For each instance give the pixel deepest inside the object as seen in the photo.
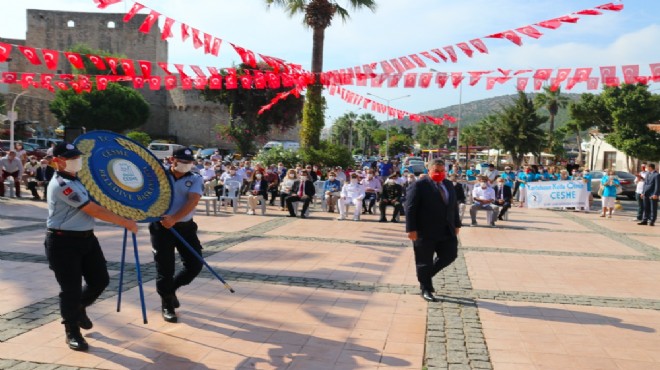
(371, 198)
(516, 186)
(218, 190)
(283, 199)
(73, 259)
(17, 182)
(32, 186)
(431, 256)
(164, 243)
(295, 198)
(504, 206)
(650, 209)
(272, 195)
(389, 202)
(640, 207)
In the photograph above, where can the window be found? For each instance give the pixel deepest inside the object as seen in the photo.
(111, 24)
(70, 24)
(609, 161)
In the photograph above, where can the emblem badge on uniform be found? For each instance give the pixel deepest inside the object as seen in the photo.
(188, 184)
(123, 176)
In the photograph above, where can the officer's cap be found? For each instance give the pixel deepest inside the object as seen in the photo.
(185, 154)
(66, 150)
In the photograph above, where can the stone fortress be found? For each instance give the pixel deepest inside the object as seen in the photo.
(179, 115)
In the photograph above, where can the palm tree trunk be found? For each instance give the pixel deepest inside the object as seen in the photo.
(313, 111)
(579, 145)
(552, 123)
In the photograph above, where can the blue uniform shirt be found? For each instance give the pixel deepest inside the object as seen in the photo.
(189, 183)
(332, 186)
(508, 177)
(471, 175)
(66, 196)
(587, 178)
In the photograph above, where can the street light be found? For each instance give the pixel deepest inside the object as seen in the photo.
(12, 119)
(387, 123)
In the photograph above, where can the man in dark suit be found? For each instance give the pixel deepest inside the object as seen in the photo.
(432, 223)
(302, 190)
(41, 178)
(650, 194)
(503, 198)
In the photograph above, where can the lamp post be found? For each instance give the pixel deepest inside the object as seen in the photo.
(387, 123)
(12, 119)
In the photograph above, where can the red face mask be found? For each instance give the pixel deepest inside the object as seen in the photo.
(438, 176)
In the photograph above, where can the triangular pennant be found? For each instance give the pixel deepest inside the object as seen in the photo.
(465, 48)
(479, 45)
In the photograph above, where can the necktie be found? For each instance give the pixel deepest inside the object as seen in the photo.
(300, 193)
(442, 193)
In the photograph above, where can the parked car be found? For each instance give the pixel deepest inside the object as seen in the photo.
(626, 179)
(415, 167)
(163, 150)
(30, 149)
(205, 153)
(42, 142)
(286, 145)
(406, 160)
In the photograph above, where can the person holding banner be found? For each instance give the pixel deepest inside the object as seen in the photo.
(608, 186)
(188, 189)
(72, 250)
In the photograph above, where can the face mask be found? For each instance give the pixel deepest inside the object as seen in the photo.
(303, 178)
(183, 167)
(410, 179)
(331, 178)
(500, 184)
(390, 181)
(43, 166)
(292, 176)
(354, 181)
(471, 168)
(207, 167)
(438, 176)
(258, 176)
(33, 162)
(73, 165)
(484, 185)
(370, 177)
(269, 171)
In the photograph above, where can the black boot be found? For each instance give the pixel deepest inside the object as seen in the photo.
(168, 312)
(83, 320)
(74, 339)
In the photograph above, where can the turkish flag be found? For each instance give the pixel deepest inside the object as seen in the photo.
(170, 82)
(475, 76)
(198, 71)
(246, 81)
(490, 83)
(167, 29)
(589, 12)
(197, 41)
(479, 45)
(530, 31)
(425, 80)
(97, 61)
(51, 57)
(398, 66)
(232, 83)
(186, 83)
(30, 54)
(521, 84)
(538, 83)
(562, 74)
(113, 63)
(410, 80)
(215, 82)
(273, 80)
(259, 80)
(151, 19)
(213, 71)
(66, 77)
(607, 72)
(131, 13)
(655, 71)
(102, 4)
(27, 79)
(128, 67)
(9, 77)
(163, 66)
(394, 80)
(582, 74)
(179, 67)
(554, 84)
(215, 46)
(418, 60)
(5, 50)
(360, 78)
(387, 68)
(61, 85)
(407, 64)
(185, 32)
(452, 54)
(456, 78)
(644, 80)
(207, 43)
(46, 79)
(509, 35)
(612, 81)
(101, 83)
(552, 24)
(85, 83)
(154, 82)
(200, 83)
(465, 48)
(441, 79)
(611, 6)
(439, 53)
(571, 83)
(568, 19)
(145, 67)
(542, 74)
(138, 82)
(379, 79)
(431, 57)
(630, 73)
(75, 59)
(247, 56)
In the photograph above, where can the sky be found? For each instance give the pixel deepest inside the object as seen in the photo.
(399, 28)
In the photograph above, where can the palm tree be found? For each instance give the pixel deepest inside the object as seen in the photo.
(318, 15)
(366, 125)
(552, 100)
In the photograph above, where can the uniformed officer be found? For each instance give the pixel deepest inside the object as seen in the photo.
(188, 188)
(72, 250)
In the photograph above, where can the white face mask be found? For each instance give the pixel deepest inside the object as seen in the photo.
(484, 185)
(232, 172)
(292, 176)
(354, 181)
(73, 165)
(370, 176)
(331, 178)
(410, 179)
(183, 167)
(303, 178)
(390, 181)
(258, 176)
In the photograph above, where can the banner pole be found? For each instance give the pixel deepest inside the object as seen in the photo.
(121, 271)
(139, 277)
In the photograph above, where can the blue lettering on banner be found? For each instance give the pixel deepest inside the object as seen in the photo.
(558, 194)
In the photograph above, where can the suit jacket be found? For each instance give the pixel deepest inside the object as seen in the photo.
(424, 209)
(309, 189)
(263, 189)
(460, 192)
(651, 184)
(45, 175)
(507, 193)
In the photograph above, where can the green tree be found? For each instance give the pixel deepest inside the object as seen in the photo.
(139, 136)
(588, 112)
(327, 155)
(365, 126)
(117, 108)
(431, 136)
(344, 130)
(552, 100)
(245, 123)
(517, 129)
(318, 15)
(400, 143)
(278, 154)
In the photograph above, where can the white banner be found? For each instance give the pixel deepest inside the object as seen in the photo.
(553, 194)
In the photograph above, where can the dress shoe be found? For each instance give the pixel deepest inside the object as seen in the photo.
(290, 215)
(652, 223)
(642, 223)
(394, 220)
(303, 216)
(370, 212)
(428, 296)
(382, 220)
(169, 315)
(500, 218)
(74, 339)
(83, 320)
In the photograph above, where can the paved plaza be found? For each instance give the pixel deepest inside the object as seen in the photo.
(544, 290)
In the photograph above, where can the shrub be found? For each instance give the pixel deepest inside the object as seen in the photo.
(139, 136)
(277, 154)
(328, 155)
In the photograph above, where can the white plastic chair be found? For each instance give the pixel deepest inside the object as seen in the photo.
(262, 205)
(210, 200)
(231, 192)
(319, 193)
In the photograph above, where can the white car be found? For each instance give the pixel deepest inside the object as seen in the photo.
(163, 150)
